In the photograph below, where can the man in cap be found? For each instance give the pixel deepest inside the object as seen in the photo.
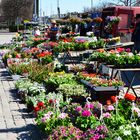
(53, 30)
(136, 34)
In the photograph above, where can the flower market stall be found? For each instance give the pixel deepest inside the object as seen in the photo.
(78, 101)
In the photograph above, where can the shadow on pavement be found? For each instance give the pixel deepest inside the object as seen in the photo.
(29, 132)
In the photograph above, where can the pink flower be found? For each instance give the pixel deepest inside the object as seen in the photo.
(120, 50)
(89, 106)
(50, 113)
(18, 56)
(43, 120)
(106, 115)
(62, 115)
(110, 107)
(138, 114)
(47, 116)
(86, 113)
(128, 50)
(79, 108)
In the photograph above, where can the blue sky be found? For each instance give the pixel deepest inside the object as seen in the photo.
(50, 6)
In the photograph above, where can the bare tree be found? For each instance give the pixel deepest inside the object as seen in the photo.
(126, 2)
(17, 9)
(102, 4)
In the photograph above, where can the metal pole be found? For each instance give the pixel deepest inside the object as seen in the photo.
(58, 9)
(91, 4)
(35, 7)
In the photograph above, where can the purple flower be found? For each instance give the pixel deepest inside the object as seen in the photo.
(110, 107)
(95, 137)
(89, 106)
(86, 113)
(79, 108)
(106, 115)
(62, 115)
(128, 50)
(46, 117)
(101, 128)
(138, 114)
(43, 120)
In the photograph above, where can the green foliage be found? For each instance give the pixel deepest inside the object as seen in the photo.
(87, 122)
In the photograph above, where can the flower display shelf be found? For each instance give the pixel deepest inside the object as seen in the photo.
(102, 94)
(99, 88)
(104, 97)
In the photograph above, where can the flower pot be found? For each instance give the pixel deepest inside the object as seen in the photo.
(104, 96)
(112, 88)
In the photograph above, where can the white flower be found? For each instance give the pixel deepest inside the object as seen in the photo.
(130, 54)
(137, 128)
(133, 125)
(118, 138)
(127, 132)
(118, 55)
(121, 127)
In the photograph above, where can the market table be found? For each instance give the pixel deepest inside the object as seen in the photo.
(130, 79)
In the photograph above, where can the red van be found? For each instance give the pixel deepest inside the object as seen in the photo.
(127, 15)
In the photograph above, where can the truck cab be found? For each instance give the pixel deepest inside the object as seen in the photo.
(127, 15)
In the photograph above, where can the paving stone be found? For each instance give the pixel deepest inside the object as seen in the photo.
(3, 136)
(2, 125)
(12, 136)
(14, 120)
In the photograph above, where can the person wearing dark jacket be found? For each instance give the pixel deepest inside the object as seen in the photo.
(136, 35)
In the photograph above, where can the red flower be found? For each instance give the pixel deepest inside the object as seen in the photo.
(18, 56)
(41, 55)
(51, 101)
(36, 108)
(113, 99)
(112, 51)
(53, 44)
(130, 97)
(47, 53)
(40, 104)
(89, 75)
(120, 50)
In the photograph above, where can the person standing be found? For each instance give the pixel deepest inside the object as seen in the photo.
(36, 31)
(83, 29)
(53, 31)
(136, 35)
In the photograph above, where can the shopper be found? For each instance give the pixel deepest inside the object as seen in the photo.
(136, 35)
(53, 31)
(83, 29)
(36, 31)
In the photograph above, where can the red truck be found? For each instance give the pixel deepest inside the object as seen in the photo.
(127, 14)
